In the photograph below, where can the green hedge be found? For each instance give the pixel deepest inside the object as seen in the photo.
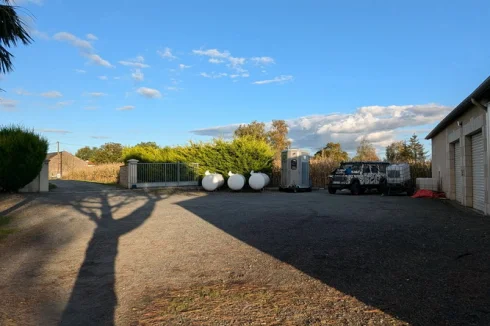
(240, 155)
(22, 154)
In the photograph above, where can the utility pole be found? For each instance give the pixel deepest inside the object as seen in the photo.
(60, 161)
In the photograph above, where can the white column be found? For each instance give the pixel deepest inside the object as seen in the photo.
(132, 173)
(44, 177)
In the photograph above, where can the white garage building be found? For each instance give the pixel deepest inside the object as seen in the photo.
(461, 151)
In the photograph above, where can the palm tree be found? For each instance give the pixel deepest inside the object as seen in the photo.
(12, 31)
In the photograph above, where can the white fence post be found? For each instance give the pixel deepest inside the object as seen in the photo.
(132, 173)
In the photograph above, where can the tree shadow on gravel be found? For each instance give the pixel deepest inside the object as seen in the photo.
(93, 300)
(419, 261)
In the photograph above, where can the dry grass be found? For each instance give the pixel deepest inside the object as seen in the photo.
(104, 173)
(244, 304)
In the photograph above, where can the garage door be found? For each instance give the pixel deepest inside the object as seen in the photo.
(457, 172)
(477, 155)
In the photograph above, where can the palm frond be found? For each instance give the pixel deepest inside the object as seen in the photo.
(12, 31)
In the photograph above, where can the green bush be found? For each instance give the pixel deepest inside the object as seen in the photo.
(240, 155)
(22, 153)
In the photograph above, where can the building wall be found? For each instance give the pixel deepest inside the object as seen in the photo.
(473, 121)
(69, 163)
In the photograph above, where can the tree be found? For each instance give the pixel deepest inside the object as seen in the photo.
(416, 149)
(150, 144)
(397, 152)
(366, 152)
(12, 32)
(334, 152)
(23, 153)
(86, 153)
(278, 138)
(254, 130)
(108, 153)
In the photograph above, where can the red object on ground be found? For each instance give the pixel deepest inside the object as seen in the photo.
(423, 193)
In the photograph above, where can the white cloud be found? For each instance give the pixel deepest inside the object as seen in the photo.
(215, 61)
(97, 94)
(73, 40)
(51, 94)
(280, 79)
(173, 88)
(100, 137)
(8, 105)
(234, 61)
(182, 66)
(80, 71)
(166, 54)
(379, 124)
(25, 2)
(97, 60)
(38, 34)
(137, 75)
(126, 108)
(149, 92)
(137, 62)
(103, 77)
(244, 75)
(92, 37)
(262, 60)
(23, 92)
(55, 131)
(213, 75)
(213, 53)
(62, 104)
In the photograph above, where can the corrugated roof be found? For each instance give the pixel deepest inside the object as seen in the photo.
(482, 91)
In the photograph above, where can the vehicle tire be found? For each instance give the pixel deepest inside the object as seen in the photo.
(410, 191)
(383, 187)
(363, 191)
(332, 191)
(309, 189)
(355, 189)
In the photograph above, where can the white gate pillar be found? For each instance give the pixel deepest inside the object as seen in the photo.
(132, 173)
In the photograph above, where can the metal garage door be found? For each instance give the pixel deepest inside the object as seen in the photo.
(478, 165)
(457, 172)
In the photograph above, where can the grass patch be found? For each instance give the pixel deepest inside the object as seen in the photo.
(245, 304)
(4, 232)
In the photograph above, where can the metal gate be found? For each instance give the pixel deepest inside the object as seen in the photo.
(166, 175)
(458, 172)
(478, 165)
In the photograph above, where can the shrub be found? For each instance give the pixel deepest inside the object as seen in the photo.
(22, 153)
(240, 155)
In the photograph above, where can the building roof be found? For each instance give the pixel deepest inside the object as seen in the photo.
(51, 155)
(481, 92)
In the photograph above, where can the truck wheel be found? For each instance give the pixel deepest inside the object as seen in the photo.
(355, 189)
(331, 190)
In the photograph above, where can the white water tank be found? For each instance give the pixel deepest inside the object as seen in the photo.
(212, 181)
(236, 181)
(258, 181)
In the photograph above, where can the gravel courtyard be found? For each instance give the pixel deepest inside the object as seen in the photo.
(105, 256)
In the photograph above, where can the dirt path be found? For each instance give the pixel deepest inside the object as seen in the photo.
(108, 256)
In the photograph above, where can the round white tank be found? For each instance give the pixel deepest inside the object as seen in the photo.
(236, 181)
(212, 181)
(258, 181)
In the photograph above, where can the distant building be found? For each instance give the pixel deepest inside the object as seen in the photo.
(461, 151)
(68, 161)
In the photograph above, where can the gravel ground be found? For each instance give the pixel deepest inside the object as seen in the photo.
(101, 255)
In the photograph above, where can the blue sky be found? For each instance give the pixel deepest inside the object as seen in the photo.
(171, 71)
